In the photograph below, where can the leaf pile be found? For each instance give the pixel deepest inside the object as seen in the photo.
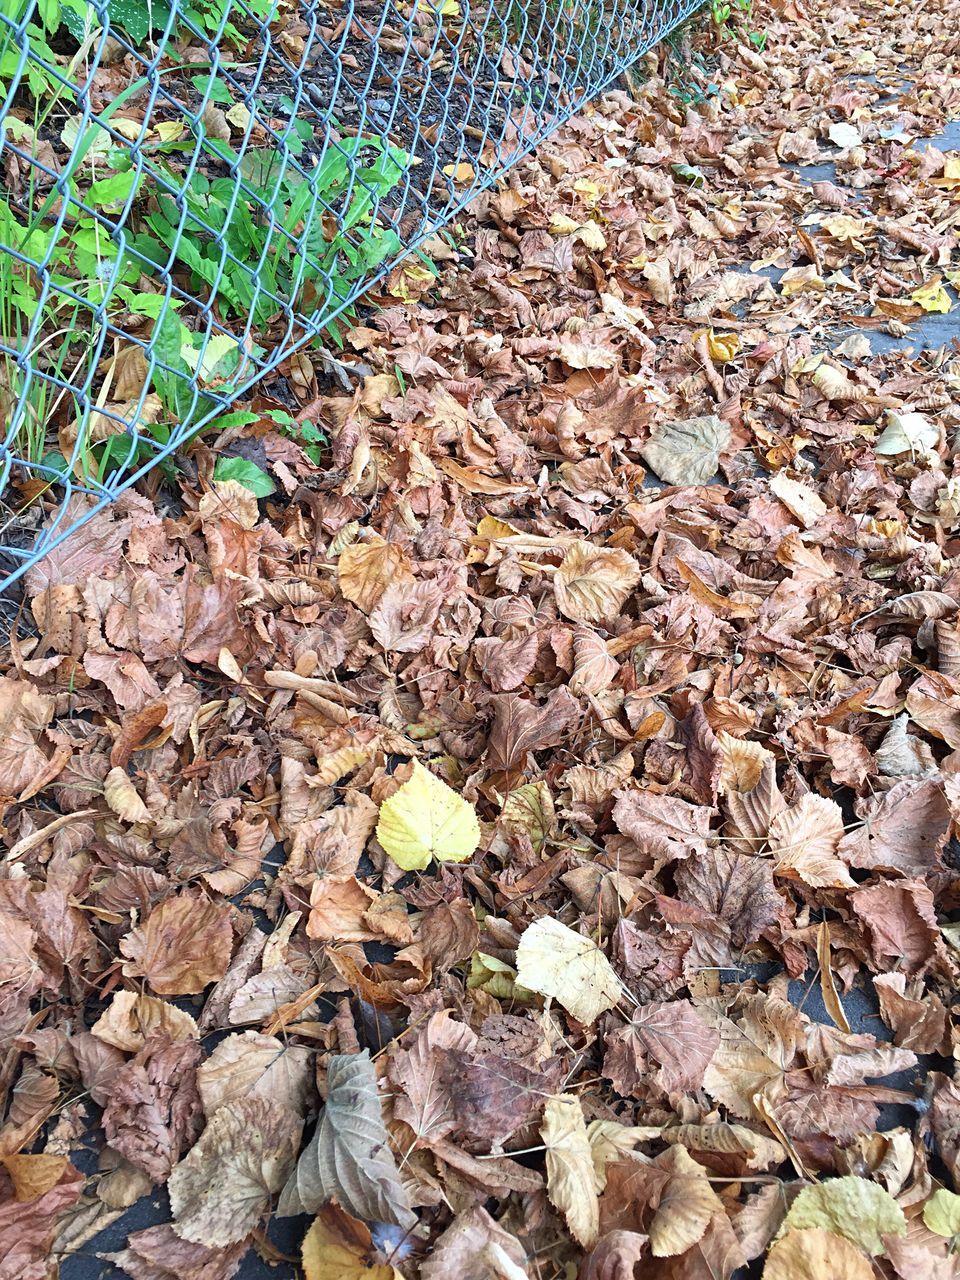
(527, 845)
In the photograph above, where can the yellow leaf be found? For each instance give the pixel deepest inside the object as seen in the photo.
(816, 1255)
(121, 795)
(571, 1180)
(554, 961)
(424, 819)
(941, 1213)
(687, 1203)
(339, 1247)
(366, 569)
(448, 9)
(33, 1176)
(932, 297)
(495, 977)
(853, 1207)
(462, 173)
(722, 346)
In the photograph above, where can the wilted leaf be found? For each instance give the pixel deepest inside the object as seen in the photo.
(424, 819)
(474, 1247)
(338, 1247)
(349, 1158)
(554, 961)
(131, 1019)
(366, 569)
(592, 582)
(183, 945)
(571, 1180)
(424, 1100)
(158, 1253)
(223, 1187)
(252, 1064)
(804, 840)
(122, 797)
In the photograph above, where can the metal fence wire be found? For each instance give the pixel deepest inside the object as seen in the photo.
(192, 189)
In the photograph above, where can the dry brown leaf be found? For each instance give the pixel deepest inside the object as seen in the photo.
(366, 569)
(183, 945)
(804, 840)
(131, 1019)
(814, 1254)
(339, 1247)
(687, 452)
(122, 797)
(248, 1064)
(349, 1158)
(592, 583)
(223, 1187)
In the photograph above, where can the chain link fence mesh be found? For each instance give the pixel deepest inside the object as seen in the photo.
(191, 191)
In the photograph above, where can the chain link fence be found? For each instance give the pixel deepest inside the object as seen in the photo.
(190, 191)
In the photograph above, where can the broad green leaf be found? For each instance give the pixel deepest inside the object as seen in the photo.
(424, 819)
(246, 473)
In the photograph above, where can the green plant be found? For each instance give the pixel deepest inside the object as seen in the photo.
(724, 13)
(276, 241)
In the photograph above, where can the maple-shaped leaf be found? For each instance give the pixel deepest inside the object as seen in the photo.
(424, 819)
(521, 726)
(554, 961)
(687, 452)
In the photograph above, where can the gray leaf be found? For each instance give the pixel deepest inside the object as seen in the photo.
(349, 1159)
(686, 452)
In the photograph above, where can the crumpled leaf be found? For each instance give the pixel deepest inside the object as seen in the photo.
(247, 1064)
(475, 1247)
(687, 452)
(183, 945)
(424, 819)
(856, 1208)
(349, 1158)
(223, 1186)
(571, 1179)
(122, 797)
(592, 583)
(555, 961)
(131, 1019)
(158, 1253)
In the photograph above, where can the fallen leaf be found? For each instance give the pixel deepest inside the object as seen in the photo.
(571, 1181)
(592, 583)
(687, 452)
(425, 819)
(856, 1208)
(349, 1158)
(339, 1247)
(183, 945)
(813, 1254)
(222, 1188)
(554, 961)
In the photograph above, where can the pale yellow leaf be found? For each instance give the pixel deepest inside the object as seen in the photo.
(592, 583)
(687, 1204)
(571, 1180)
(554, 961)
(424, 819)
(941, 1213)
(122, 797)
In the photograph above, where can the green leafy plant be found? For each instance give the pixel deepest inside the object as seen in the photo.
(276, 239)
